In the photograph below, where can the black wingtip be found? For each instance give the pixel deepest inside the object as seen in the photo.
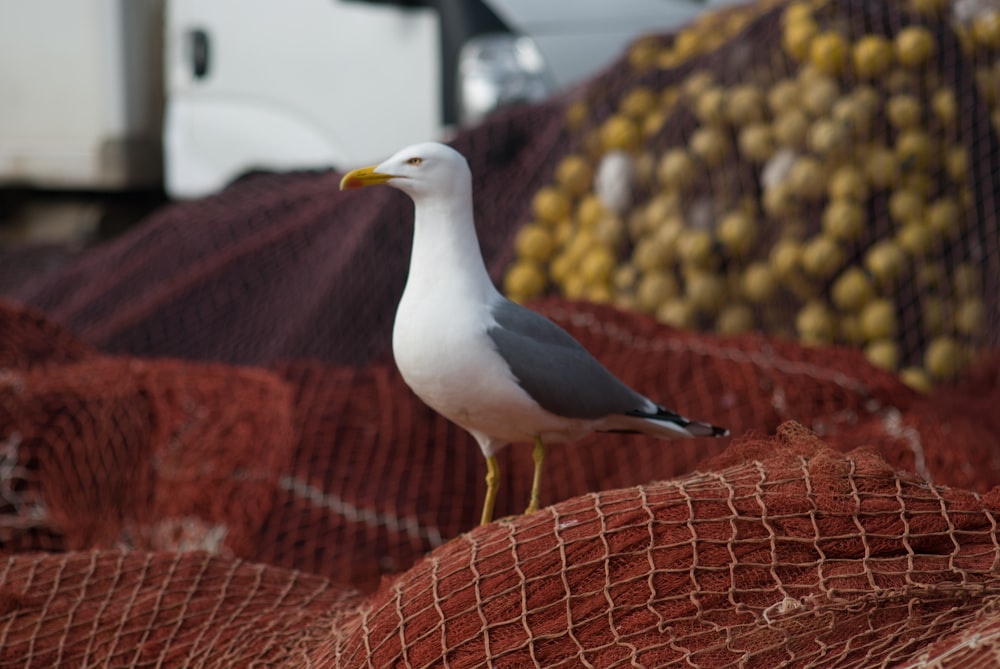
(691, 427)
(705, 430)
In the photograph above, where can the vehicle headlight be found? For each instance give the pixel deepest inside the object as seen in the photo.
(498, 70)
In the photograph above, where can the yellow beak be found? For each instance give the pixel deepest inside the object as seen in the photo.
(364, 176)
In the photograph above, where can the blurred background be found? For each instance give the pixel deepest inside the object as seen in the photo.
(111, 107)
(821, 170)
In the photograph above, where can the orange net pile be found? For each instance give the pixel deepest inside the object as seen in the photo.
(797, 556)
(208, 459)
(328, 479)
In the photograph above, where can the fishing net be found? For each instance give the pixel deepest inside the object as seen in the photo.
(208, 513)
(796, 556)
(208, 459)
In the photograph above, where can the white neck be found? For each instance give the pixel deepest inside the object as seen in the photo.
(446, 256)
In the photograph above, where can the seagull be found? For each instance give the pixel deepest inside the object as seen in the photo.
(500, 371)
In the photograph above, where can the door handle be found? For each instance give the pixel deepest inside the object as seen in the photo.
(199, 52)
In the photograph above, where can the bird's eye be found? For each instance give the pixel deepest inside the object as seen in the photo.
(415, 161)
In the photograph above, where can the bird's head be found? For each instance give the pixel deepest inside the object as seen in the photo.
(428, 169)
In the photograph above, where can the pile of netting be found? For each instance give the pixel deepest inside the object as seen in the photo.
(208, 459)
(156, 512)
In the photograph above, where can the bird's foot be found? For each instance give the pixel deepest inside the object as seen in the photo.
(538, 455)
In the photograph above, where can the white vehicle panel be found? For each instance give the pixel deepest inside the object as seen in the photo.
(297, 83)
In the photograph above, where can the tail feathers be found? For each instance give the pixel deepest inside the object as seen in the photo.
(666, 423)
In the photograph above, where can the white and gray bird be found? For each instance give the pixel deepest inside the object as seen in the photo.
(502, 372)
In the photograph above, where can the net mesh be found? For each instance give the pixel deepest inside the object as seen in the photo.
(797, 556)
(331, 479)
(208, 459)
(134, 609)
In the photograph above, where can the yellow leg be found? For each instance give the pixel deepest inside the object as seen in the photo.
(538, 455)
(492, 484)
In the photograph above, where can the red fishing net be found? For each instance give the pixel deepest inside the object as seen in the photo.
(781, 551)
(797, 556)
(208, 459)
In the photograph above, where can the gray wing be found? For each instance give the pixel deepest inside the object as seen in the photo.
(555, 370)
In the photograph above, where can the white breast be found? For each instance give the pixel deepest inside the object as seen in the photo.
(449, 361)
